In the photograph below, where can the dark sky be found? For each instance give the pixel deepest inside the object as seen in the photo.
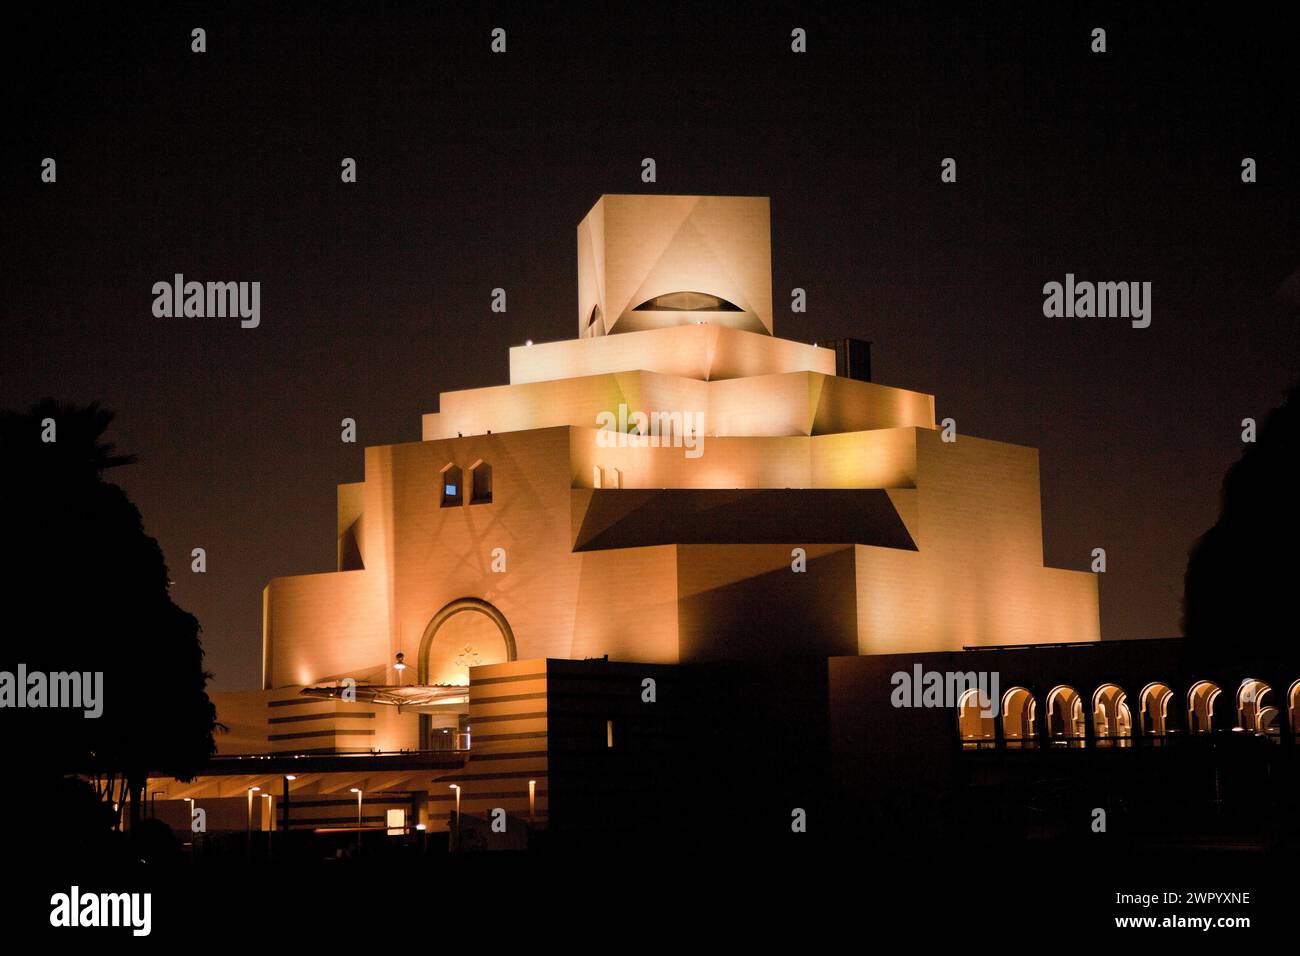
(475, 169)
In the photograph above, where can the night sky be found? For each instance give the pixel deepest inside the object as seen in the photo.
(474, 170)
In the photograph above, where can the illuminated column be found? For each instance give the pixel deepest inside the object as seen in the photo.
(456, 787)
(284, 802)
(248, 833)
(357, 791)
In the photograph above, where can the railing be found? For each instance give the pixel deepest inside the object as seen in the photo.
(442, 741)
(438, 744)
(1124, 741)
(1061, 742)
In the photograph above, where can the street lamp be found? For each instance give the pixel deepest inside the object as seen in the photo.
(456, 787)
(532, 799)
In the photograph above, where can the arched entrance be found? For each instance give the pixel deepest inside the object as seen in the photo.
(1200, 706)
(1293, 705)
(1112, 724)
(1065, 717)
(465, 633)
(1153, 704)
(977, 730)
(1018, 712)
(1255, 709)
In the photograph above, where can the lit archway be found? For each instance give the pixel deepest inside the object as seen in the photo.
(1019, 710)
(1255, 710)
(1153, 711)
(1112, 724)
(1200, 706)
(977, 728)
(1065, 719)
(465, 633)
(1293, 706)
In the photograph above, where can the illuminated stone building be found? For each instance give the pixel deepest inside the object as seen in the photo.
(674, 486)
(667, 554)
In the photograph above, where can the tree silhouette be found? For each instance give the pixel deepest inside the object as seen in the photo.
(1238, 606)
(96, 591)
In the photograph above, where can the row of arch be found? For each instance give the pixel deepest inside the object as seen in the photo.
(1159, 712)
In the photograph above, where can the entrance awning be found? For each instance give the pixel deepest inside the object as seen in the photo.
(405, 695)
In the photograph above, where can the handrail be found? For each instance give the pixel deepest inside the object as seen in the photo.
(1106, 741)
(457, 743)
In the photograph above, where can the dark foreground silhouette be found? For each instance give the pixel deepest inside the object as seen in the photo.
(87, 591)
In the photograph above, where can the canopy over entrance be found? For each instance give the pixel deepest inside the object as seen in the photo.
(415, 696)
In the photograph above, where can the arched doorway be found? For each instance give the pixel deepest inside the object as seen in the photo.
(1019, 710)
(1255, 708)
(1065, 717)
(1293, 707)
(1200, 706)
(465, 633)
(1153, 708)
(1112, 724)
(977, 728)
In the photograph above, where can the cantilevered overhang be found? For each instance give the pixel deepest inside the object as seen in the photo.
(413, 696)
(267, 770)
(638, 518)
(702, 352)
(754, 406)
